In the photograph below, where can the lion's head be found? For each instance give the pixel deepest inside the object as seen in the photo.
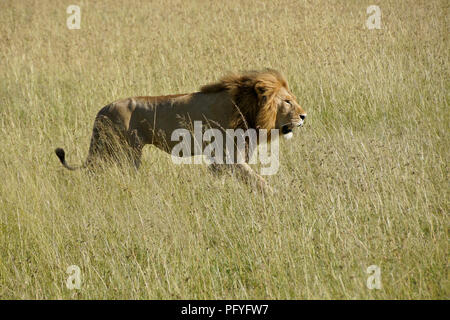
(263, 101)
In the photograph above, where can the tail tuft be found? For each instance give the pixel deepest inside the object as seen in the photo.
(61, 155)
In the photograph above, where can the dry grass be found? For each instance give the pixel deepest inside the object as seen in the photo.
(364, 182)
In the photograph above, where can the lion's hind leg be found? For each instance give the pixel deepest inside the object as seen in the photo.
(135, 146)
(108, 143)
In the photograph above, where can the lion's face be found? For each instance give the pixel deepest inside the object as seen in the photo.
(289, 114)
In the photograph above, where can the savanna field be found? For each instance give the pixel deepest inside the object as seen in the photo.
(364, 182)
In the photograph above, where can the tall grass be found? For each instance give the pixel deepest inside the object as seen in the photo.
(365, 182)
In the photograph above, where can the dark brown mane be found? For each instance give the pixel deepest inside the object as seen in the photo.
(253, 93)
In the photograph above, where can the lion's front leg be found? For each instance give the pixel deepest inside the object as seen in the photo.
(244, 172)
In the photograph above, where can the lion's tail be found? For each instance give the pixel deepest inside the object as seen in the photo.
(62, 157)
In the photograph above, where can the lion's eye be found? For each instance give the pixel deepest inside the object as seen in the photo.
(288, 102)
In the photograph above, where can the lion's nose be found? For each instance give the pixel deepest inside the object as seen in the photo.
(303, 116)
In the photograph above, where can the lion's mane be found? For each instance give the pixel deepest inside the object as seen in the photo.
(253, 94)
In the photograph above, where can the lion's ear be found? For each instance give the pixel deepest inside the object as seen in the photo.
(260, 88)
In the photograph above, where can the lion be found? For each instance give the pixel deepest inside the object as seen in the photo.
(255, 99)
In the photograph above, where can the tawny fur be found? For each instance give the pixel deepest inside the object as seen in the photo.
(246, 100)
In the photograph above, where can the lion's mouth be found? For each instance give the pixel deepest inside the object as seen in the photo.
(286, 129)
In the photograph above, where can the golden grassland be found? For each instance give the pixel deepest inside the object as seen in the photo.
(364, 182)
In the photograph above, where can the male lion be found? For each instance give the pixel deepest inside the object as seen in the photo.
(256, 99)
